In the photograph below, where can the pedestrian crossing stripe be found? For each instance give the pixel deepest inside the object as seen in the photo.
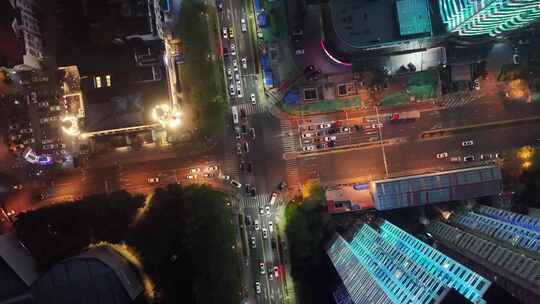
(258, 201)
(251, 108)
(457, 100)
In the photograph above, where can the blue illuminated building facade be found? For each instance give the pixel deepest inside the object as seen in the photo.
(491, 17)
(499, 244)
(387, 265)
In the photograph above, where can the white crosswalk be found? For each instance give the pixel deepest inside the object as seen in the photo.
(292, 172)
(251, 108)
(288, 140)
(457, 99)
(260, 200)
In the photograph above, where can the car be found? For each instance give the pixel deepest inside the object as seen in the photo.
(262, 268)
(237, 76)
(253, 242)
(231, 33)
(235, 65)
(233, 49)
(515, 59)
(442, 155)
(49, 147)
(282, 185)
(220, 6)
(276, 271)
(321, 146)
(13, 127)
(242, 166)
(239, 92)
(267, 208)
(330, 138)
(325, 125)
(298, 52)
(261, 210)
(307, 135)
(195, 170)
(29, 141)
(468, 158)
(232, 89)
(26, 131)
(467, 143)
(270, 226)
(331, 144)
(265, 233)
(238, 148)
(253, 191)
(247, 188)
(252, 133)
(246, 147)
(258, 287)
(243, 25)
(309, 68)
(257, 225)
(345, 129)
(476, 84)
(153, 180)
(235, 184)
(225, 32)
(208, 175)
(455, 159)
(497, 155)
(191, 176)
(17, 187)
(249, 167)
(244, 62)
(253, 99)
(212, 168)
(377, 125)
(237, 133)
(308, 148)
(229, 73)
(273, 198)
(224, 177)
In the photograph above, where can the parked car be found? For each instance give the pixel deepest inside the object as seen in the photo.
(442, 155)
(153, 180)
(253, 99)
(468, 158)
(225, 32)
(308, 148)
(244, 62)
(235, 184)
(467, 143)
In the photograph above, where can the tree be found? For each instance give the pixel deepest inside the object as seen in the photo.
(56, 232)
(186, 242)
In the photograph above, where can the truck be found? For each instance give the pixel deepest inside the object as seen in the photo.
(405, 116)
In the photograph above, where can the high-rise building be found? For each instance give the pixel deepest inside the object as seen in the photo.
(501, 245)
(492, 17)
(387, 265)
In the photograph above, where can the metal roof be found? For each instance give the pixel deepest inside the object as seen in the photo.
(436, 187)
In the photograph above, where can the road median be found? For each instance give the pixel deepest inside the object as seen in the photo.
(478, 127)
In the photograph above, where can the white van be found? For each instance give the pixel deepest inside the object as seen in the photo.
(234, 111)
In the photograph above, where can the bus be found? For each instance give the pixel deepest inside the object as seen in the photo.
(234, 111)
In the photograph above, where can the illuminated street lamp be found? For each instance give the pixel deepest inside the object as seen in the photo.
(166, 116)
(70, 126)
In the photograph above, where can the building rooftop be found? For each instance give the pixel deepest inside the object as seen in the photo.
(361, 23)
(388, 265)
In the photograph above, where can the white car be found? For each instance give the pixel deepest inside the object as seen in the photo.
(253, 98)
(299, 52)
(243, 24)
(236, 184)
(191, 176)
(329, 138)
(261, 267)
(442, 155)
(307, 135)
(258, 287)
(232, 89)
(153, 180)
(270, 226)
(256, 224)
(29, 141)
(377, 125)
(26, 131)
(253, 242)
(467, 143)
(244, 62)
(224, 177)
(233, 49)
(194, 170)
(267, 208)
(265, 233)
(49, 147)
(324, 125)
(235, 64)
(212, 168)
(237, 76)
(229, 73)
(225, 33)
(468, 158)
(308, 148)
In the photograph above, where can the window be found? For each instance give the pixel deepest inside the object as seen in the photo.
(108, 80)
(97, 82)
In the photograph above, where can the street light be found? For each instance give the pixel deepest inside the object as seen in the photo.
(166, 116)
